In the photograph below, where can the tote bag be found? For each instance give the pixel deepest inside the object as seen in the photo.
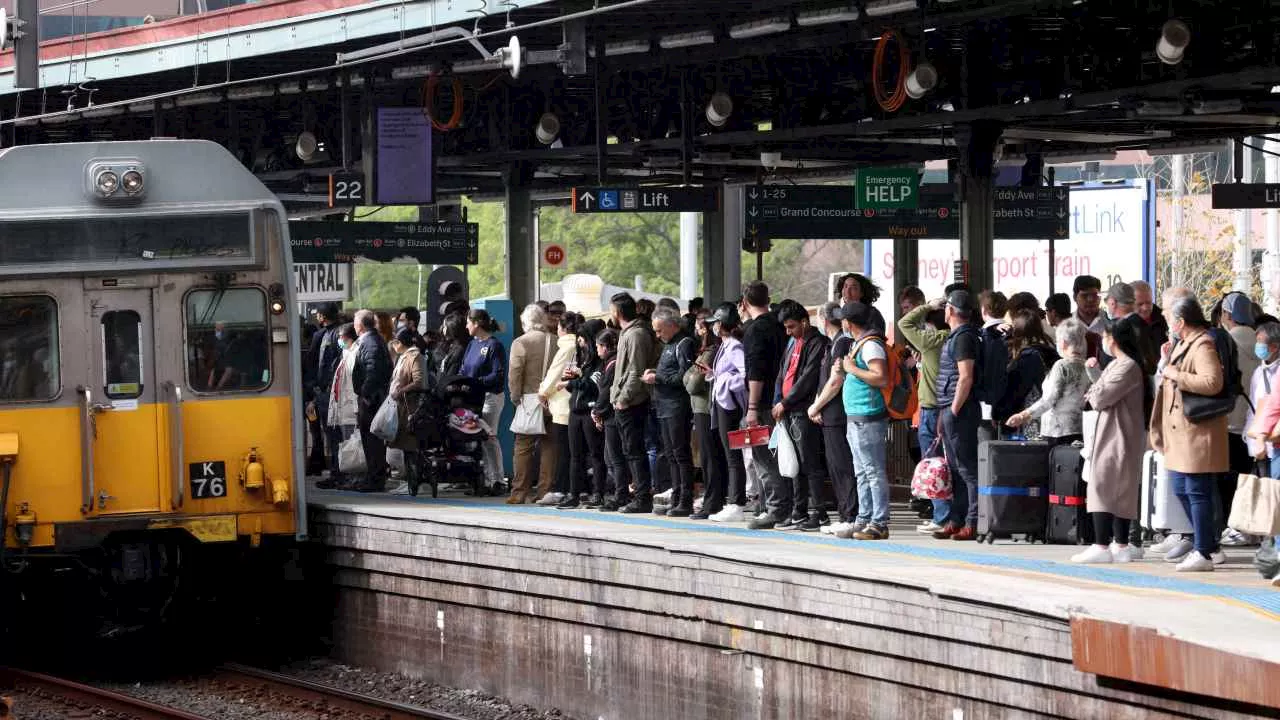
(1255, 510)
(529, 418)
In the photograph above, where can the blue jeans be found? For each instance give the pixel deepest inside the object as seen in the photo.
(868, 441)
(1275, 467)
(927, 432)
(1196, 492)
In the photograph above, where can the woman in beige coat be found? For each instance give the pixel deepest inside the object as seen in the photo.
(1122, 398)
(1195, 454)
(556, 399)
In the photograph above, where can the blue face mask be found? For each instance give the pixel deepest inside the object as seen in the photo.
(1262, 351)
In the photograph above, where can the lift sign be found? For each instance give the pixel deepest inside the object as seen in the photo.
(208, 480)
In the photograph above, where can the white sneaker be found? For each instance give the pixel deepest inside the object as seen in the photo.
(1275, 582)
(1136, 552)
(663, 498)
(1123, 553)
(1092, 555)
(829, 528)
(1169, 542)
(847, 530)
(1180, 550)
(1219, 558)
(1195, 562)
(928, 528)
(697, 505)
(730, 513)
(1235, 538)
(552, 498)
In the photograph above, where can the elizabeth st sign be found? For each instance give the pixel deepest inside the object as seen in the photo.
(816, 212)
(652, 199)
(345, 242)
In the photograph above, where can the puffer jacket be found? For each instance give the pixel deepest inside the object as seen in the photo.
(558, 400)
(342, 391)
(583, 389)
(372, 372)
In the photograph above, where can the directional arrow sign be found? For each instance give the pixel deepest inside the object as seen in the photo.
(343, 242)
(646, 199)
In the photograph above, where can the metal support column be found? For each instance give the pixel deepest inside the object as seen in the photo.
(906, 268)
(977, 143)
(522, 256)
(722, 248)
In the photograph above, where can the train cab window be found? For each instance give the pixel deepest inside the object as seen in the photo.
(228, 340)
(29, 367)
(122, 354)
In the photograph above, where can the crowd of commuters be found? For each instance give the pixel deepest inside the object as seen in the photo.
(638, 409)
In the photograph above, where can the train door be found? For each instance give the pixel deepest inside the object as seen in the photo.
(128, 417)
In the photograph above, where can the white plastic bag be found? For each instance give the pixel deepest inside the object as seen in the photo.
(351, 456)
(1089, 427)
(386, 422)
(529, 419)
(788, 460)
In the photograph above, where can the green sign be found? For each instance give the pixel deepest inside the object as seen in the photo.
(887, 189)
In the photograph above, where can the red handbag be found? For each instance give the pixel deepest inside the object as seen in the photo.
(748, 437)
(932, 476)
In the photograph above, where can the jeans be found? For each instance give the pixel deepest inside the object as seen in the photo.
(736, 477)
(960, 441)
(927, 432)
(586, 450)
(631, 429)
(868, 441)
(1196, 493)
(679, 458)
(840, 468)
(619, 475)
(715, 468)
(656, 449)
(807, 486)
(1275, 467)
(492, 415)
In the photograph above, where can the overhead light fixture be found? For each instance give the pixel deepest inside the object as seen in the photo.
(1175, 36)
(684, 40)
(1160, 107)
(1068, 158)
(629, 47)
(1216, 107)
(409, 72)
(306, 146)
(251, 92)
(760, 28)
(293, 87)
(512, 57)
(921, 81)
(102, 112)
(829, 16)
(142, 107)
(548, 128)
(1162, 149)
(197, 99)
(719, 109)
(882, 8)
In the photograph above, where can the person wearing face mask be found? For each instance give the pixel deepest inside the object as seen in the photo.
(1264, 391)
(341, 420)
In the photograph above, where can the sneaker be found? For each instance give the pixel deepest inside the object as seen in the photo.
(851, 529)
(663, 498)
(569, 503)
(401, 489)
(551, 498)
(1218, 557)
(764, 521)
(680, 512)
(928, 528)
(1179, 551)
(1195, 562)
(1122, 553)
(830, 529)
(660, 509)
(1136, 552)
(636, 507)
(813, 523)
(791, 523)
(1169, 542)
(730, 513)
(1275, 581)
(1235, 538)
(872, 532)
(697, 505)
(330, 483)
(593, 502)
(1093, 555)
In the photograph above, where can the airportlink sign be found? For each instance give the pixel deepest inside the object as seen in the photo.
(887, 189)
(827, 212)
(649, 199)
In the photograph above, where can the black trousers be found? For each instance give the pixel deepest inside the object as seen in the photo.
(840, 470)
(679, 456)
(631, 430)
(960, 442)
(714, 467)
(807, 487)
(375, 451)
(586, 450)
(316, 460)
(561, 435)
(619, 474)
(736, 477)
(1108, 527)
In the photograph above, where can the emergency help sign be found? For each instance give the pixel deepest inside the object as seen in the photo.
(322, 282)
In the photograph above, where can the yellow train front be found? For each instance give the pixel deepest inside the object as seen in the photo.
(147, 370)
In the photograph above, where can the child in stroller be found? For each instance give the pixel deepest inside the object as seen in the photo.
(451, 435)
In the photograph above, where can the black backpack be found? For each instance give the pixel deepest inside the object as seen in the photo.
(993, 366)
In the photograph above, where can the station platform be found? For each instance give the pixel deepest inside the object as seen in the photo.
(615, 616)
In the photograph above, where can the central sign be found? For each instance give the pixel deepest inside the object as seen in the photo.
(345, 242)
(322, 282)
(887, 189)
(650, 199)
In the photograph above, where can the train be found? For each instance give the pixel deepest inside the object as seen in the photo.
(149, 432)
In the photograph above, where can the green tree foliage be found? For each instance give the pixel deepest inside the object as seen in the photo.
(617, 247)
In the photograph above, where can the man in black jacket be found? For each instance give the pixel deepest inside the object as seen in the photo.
(762, 341)
(371, 378)
(675, 413)
(797, 387)
(324, 357)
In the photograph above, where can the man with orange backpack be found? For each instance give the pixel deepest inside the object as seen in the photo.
(866, 384)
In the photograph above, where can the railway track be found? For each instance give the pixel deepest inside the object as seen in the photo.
(82, 700)
(324, 698)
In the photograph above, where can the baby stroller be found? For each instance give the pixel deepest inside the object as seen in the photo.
(451, 436)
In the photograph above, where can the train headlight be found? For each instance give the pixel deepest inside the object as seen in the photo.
(107, 182)
(131, 182)
(276, 292)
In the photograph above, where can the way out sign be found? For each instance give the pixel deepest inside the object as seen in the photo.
(322, 282)
(887, 189)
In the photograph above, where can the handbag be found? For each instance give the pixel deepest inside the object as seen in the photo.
(1202, 408)
(351, 456)
(529, 418)
(386, 422)
(1255, 510)
(932, 476)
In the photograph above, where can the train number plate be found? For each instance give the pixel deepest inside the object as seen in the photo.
(208, 480)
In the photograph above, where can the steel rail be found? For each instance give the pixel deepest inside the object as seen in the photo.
(86, 696)
(346, 700)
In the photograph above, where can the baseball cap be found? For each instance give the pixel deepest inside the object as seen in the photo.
(1122, 293)
(855, 312)
(726, 313)
(961, 300)
(1239, 307)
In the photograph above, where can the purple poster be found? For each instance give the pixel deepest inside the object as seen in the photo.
(405, 168)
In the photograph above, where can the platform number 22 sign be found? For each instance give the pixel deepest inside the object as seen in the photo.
(208, 480)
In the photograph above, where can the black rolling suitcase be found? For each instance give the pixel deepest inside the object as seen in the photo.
(1012, 489)
(1068, 522)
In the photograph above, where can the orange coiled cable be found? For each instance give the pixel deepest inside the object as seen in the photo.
(891, 102)
(429, 102)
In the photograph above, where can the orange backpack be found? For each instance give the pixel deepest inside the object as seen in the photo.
(901, 399)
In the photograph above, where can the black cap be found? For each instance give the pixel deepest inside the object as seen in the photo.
(961, 300)
(726, 313)
(855, 312)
